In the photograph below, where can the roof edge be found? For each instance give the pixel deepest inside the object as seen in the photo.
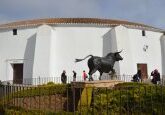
(95, 21)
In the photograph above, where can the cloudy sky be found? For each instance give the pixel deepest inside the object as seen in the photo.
(150, 12)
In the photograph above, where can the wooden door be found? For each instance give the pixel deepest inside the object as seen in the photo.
(143, 68)
(17, 73)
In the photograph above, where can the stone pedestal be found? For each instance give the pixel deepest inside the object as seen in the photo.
(101, 83)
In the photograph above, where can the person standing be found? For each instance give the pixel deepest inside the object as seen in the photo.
(156, 76)
(84, 75)
(63, 77)
(74, 75)
(138, 76)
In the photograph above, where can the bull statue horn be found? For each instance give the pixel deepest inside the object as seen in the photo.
(120, 51)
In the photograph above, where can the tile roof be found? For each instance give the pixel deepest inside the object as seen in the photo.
(51, 21)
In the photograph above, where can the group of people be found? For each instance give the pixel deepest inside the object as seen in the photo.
(136, 78)
(155, 76)
(64, 76)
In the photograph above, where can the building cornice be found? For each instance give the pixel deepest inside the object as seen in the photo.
(76, 21)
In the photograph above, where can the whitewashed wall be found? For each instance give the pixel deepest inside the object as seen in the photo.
(41, 66)
(152, 56)
(70, 43)
(162, 40)
(109, 42)
(12, 50)
(132, 42)
(47, 51)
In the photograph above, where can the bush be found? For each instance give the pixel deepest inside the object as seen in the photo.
(21, 111)
(130, 98)
(124, 98)
(43, 90)
(50, 83)
(1, 84)
(38, 91)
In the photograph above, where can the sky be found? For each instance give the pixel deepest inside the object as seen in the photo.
(150, 12)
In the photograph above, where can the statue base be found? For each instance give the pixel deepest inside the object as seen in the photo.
(99, 83)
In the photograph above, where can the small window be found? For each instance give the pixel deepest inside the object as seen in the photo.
(143, 33)
(14, 31)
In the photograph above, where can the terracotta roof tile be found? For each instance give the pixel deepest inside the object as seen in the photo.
(107, 22)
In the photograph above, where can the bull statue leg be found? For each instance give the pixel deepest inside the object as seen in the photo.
(113, 71)
(90, 78)
(112, 74)
(90, 74)
(100, 75)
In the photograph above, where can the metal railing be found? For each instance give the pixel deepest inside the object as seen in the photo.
(44, 80)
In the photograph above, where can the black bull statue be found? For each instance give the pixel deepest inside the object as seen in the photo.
(102, 64)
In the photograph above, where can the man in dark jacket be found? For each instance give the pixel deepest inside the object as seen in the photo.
(74, 75)
(156, 76)
(63, 77)
(138, 76)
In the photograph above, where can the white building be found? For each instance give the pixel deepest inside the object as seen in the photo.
(46, 47)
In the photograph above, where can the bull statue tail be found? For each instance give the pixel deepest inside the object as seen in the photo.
(78, 60)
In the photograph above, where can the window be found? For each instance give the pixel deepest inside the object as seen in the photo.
(14, 31)
(143, 33)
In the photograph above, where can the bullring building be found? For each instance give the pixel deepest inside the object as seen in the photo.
(45, 47)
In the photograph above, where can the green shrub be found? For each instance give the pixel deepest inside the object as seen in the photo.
(42, 90)
(124, 98)
(38, 91)
(27, 112)
(130, 98)
(50, 83)
(1, 83)
(20, 111)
